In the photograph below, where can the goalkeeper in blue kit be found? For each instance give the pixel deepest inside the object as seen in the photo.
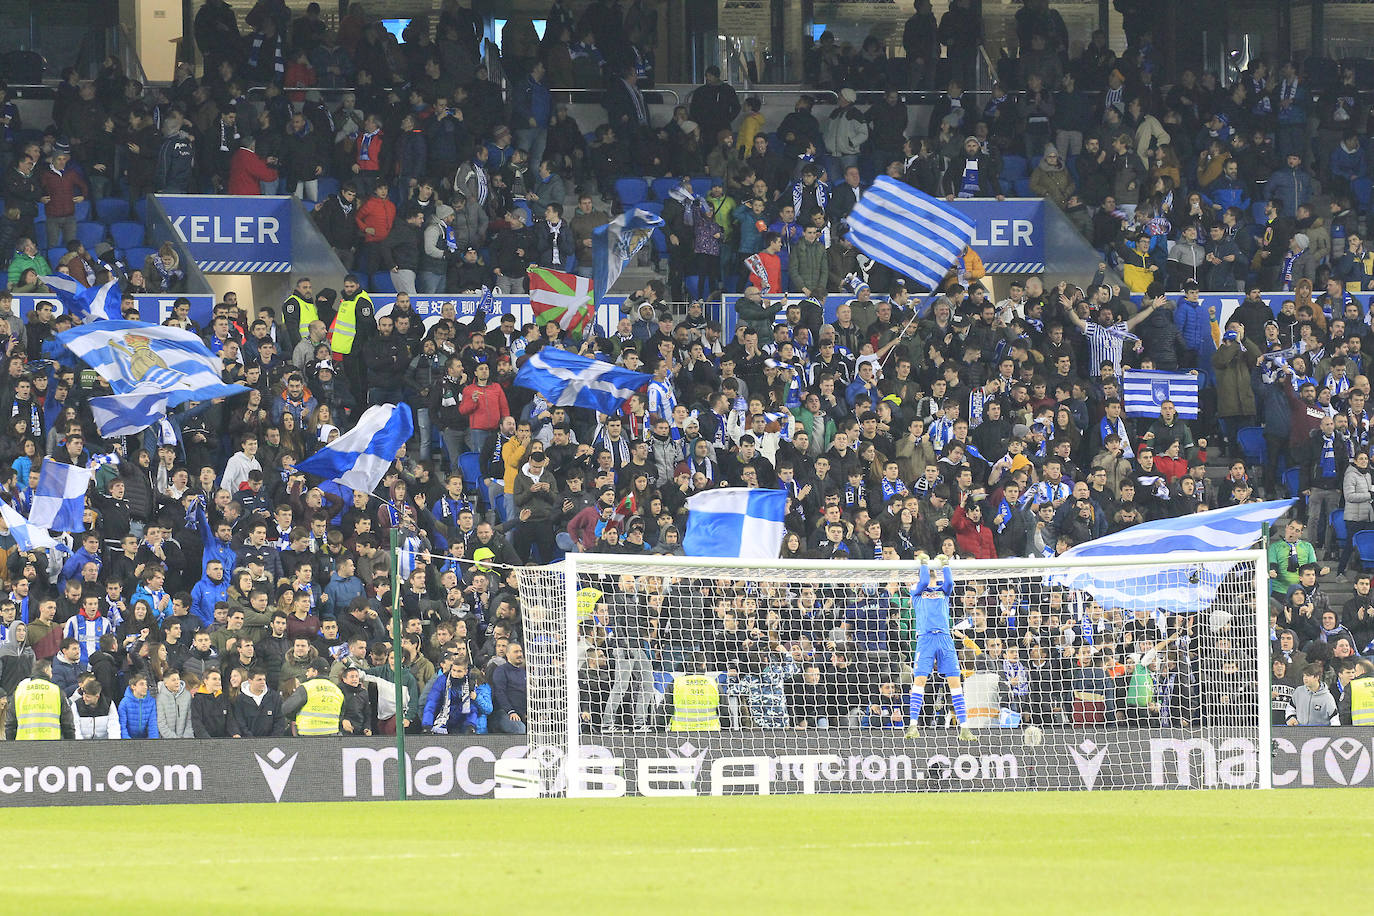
(935, 647)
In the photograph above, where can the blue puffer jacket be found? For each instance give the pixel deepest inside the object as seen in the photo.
(138, 718)
(476, 718)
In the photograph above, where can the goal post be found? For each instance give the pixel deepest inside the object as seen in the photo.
(656, 675)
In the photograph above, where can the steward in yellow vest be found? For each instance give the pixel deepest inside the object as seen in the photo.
(696, 703)
(37, 710)
(316, 703)
(1357, 705)
(355, 318)
(298, 311)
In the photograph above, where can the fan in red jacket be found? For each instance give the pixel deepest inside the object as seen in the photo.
(247, 170)
(765, 267)
(973, 537)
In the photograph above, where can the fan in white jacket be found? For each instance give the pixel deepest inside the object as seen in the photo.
(95, 716)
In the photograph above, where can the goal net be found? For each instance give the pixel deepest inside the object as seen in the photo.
(679, 676)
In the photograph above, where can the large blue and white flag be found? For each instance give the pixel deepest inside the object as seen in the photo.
(570, 380)
(135, 355)
(359, 459)
(736, 522)
(908, 231)
(126, 414)
(87, 303)
(616, 242)
(1144, 392)
(60, 498)
(1178, 589)
(27, 536)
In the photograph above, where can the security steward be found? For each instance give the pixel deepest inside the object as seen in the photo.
(37, 710)
(316, 703)
(299, 310)
(696, 700)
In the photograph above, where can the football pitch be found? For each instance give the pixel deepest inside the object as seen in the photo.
(1118, 852)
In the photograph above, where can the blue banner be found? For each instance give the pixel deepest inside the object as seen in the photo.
(229, 234)
(1009, 235)
(153, 308)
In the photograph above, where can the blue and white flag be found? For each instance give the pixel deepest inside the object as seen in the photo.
(1178, 589)
(135, 355)
(736, 522)
(570, 380)
(126, 414)
(1145, 391)
(615, 243)
(60, 498)
(359, 459)
(27, 536)
(908, 231)
(87, 303)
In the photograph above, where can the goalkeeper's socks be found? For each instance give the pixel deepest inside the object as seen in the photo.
(918, 699)
(956, 697)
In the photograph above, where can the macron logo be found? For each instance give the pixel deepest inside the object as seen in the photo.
(1089, 761)
(276, 769)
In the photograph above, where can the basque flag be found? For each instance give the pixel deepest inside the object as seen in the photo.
(569, 380)
(1145, 391)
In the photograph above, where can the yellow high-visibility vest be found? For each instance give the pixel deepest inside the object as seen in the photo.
(38, 707)
(696, 704)
(320, 714)
(345, 328)
(308, 314)
(1362, 701)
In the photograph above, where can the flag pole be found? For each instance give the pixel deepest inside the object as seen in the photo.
(915, 313)
(396, 655)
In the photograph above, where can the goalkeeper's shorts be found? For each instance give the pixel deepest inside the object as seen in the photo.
(935, 651)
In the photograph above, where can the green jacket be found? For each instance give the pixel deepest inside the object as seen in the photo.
(1278, 562)
(809, 267)
(386, 673)
(757, 316)
(23, 262)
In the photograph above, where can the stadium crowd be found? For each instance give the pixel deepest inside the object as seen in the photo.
(217, 588)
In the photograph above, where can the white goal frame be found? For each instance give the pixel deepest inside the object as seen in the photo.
(574, 564)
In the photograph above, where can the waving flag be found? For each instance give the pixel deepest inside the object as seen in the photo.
(1149, 588)
(735, 522)
(60, 498)
(616, 242)
(86, 303)
(27, 536)
(569, 380)
(910, 232)
(125, 414)
(565, 299)
(360, 457)
(135, 355)
(1145, 391)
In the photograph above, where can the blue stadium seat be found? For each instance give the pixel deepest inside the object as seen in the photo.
(42, 216)
(1292, 481)
(1338, 529)
(1014, 167)
(308, 205)
(134, 257)
(663, 187)
(660, 243)
(1021, 187)
(55, 255)
(1072, 165)
(1364, 546)
(381, 283)
(126, 234)
(326, 187)
(141, 210)
(112, 210)
(701, 184)
(1251, 439)
(83, 210)
(631, 191)
(470, 466)
(90, 234)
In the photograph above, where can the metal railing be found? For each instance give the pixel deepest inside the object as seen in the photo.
(648, 93)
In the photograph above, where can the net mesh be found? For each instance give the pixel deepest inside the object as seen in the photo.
(704, 679)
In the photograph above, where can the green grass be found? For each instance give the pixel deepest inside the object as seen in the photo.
(1119, 852)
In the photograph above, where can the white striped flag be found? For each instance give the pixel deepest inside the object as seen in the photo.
(910, 232)
(1144, 392)
(565, 299)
